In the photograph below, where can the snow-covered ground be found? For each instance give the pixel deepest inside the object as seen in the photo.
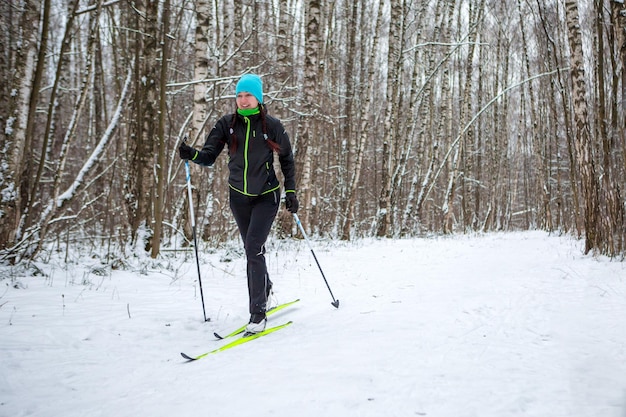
(515, 324)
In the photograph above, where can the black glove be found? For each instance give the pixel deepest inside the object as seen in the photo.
(291, 202)
(186, 152)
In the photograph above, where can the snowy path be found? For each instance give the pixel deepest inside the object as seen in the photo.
(517, 324)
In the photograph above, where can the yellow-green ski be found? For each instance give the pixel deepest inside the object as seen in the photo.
(269, 313)
(237, 342)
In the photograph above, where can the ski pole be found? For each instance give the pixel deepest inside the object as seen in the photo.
(193, 227)
(335, 303)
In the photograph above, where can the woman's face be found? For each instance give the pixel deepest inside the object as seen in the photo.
(246, 100)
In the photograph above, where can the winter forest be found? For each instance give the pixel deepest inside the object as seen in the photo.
(407, 117)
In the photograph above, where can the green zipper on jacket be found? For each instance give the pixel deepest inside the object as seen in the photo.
(245, 156)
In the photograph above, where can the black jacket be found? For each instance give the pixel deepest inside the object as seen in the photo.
(252, 165)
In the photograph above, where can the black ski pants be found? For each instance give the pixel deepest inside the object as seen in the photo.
(254, 217)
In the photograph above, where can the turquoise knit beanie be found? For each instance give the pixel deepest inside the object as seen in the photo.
(251, 83)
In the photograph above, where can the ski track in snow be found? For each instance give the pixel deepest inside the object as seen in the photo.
(495, 325)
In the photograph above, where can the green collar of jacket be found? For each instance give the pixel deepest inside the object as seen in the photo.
(248, 112)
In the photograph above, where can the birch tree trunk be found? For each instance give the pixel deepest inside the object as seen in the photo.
(284, 74)
(201, 69)
(394, 60)
(14, 117)
(618, 46)
(284, 50)
(584, 152)
(619, 73)
(32, 121)
(306, 126)
(612, 211)
(200, 112)
(161, 179)
(143, 128)
(347, 158)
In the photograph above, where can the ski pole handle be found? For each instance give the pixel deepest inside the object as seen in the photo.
(191, 213)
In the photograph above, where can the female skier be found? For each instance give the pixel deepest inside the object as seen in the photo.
(252, 137)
